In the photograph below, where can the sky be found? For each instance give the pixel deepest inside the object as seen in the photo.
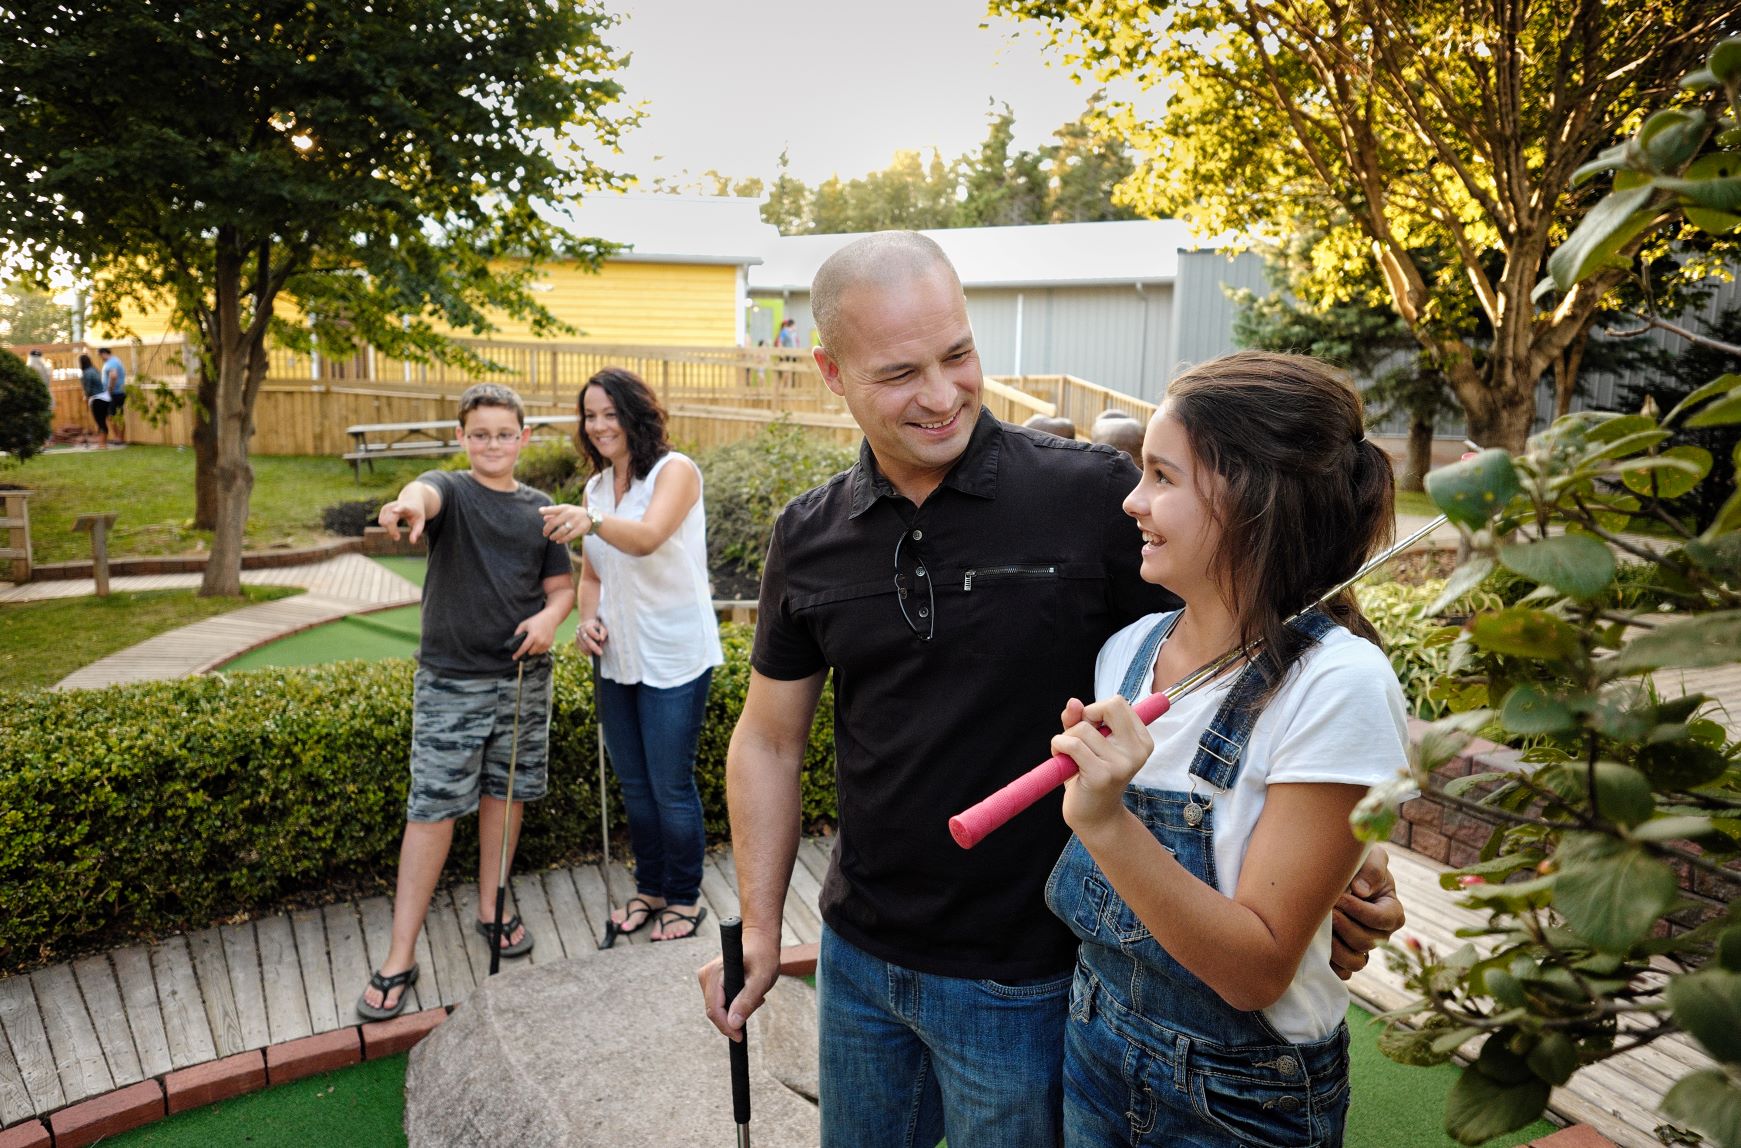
(842, 83)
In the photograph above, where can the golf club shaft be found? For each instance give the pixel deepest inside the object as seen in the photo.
(604, 823)
(507, 826)
(731, 946)
(971, 825)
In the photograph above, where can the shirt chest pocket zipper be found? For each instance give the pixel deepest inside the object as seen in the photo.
(1005, 572)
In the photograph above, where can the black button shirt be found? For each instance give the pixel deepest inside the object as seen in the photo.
(1032, 565)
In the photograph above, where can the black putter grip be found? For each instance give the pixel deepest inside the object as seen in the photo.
(495, 937)
(731, 948)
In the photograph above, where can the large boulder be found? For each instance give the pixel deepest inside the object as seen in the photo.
(610, 1049)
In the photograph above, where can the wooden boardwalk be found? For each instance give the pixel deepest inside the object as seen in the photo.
(340, 586)
(1617, 1097)
(78, 1030)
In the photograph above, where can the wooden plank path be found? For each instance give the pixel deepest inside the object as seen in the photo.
(72, 1031)
(1617, 1097)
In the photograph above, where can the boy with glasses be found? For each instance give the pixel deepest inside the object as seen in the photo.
(492, 574)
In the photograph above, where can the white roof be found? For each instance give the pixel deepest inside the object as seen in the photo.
(1055, 254)
(671, 228)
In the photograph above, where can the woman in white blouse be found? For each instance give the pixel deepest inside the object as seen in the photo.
(646, 611)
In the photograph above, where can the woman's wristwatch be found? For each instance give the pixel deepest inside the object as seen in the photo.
(593, 518)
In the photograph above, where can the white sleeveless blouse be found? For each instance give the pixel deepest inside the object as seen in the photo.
(658, 608)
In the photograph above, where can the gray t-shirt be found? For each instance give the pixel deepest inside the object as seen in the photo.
(488, 560)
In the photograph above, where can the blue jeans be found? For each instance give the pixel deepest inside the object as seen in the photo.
(910, 1057)
(652, 734)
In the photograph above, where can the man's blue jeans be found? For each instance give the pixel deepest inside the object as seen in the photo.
(652, 734)
(910, 1057)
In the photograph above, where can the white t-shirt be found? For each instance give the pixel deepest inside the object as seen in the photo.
(1339, 718)
(657, 608)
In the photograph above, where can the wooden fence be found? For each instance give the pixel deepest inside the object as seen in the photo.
(1078, 400)
(714, 395)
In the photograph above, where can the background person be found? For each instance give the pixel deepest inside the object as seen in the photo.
(943, 980)
(491, 574)
(96, 397)
(1125, 434)
(1052, 425)
(115, 382)
(646, 611)
(1206, 858)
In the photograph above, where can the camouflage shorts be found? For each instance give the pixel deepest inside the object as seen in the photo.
(461, 737)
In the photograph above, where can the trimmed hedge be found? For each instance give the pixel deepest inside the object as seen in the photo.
(138, 809)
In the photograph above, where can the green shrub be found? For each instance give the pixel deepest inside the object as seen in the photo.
(749, 482)
(162, 805)
(26, 409)
(552, 466)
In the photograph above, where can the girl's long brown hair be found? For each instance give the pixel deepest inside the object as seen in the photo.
(1307, 497)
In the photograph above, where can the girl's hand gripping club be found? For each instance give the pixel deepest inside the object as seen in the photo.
(970, 826)
(731, 946)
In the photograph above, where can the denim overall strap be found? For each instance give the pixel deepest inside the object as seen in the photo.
(1219, 749)
(1142, 666)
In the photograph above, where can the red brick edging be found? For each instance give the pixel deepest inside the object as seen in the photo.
(137, 1105)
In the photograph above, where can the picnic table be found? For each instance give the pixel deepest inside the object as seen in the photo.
(437, 438)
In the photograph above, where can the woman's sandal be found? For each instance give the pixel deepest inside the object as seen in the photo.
(671, 916)
(385, 985)
(494, 935)
(636, 905)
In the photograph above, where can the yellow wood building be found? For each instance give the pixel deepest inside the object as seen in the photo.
(680, 280)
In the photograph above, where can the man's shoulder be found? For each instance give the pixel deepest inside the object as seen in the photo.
(1056, 451)
(832, 496)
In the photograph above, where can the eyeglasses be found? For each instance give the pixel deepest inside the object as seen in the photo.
(906, 584)
(482, 438)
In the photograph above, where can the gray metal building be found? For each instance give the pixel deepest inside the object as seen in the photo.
(1124, 304)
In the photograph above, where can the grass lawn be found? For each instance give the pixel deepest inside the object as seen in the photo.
(1416, 502)
(43, 642)
(152, 488)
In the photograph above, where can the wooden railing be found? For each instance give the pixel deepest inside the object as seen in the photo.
(713, 395)
(1078, 400)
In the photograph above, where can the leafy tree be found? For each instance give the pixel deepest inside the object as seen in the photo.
(831, 209)
(1433, 142)
(382, 169)
(1627, 777)
(1002, 187)
(34, 317)
(26, 409)
(1086, 163)
(788, 205)
(1360, 335)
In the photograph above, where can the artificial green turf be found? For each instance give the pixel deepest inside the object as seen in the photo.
(1395, 1104)
(358, 1107)
(383, 634)
(364, 1107)
(43, 642)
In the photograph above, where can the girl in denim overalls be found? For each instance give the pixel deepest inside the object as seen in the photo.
(1210, 849)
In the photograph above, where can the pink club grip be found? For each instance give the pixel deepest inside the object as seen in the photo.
(971, 825)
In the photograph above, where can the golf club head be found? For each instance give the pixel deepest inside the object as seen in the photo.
(610, 935)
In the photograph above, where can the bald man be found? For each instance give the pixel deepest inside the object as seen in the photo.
(943, 980)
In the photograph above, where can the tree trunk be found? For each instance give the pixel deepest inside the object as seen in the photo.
(1420, 454)
(205, 451)
(235, 483)
(231, 424)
